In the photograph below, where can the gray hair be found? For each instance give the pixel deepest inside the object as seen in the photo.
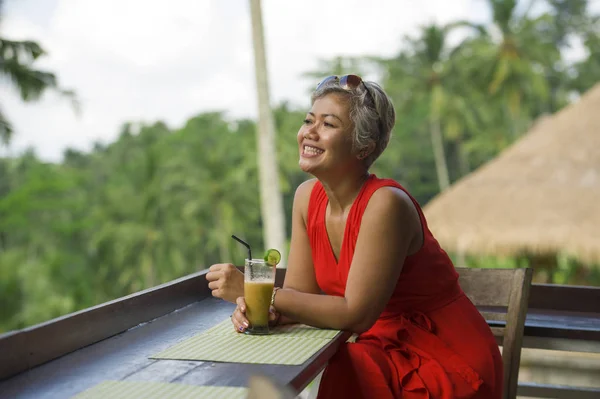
(373, 116)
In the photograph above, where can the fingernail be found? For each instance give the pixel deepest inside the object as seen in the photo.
(246, 323)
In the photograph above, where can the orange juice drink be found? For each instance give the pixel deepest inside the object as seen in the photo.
(258, 299)
(259, 280)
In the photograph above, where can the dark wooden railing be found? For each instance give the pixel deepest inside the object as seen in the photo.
(559, 318)
(562, 318)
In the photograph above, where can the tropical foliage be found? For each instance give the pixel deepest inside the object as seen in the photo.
(17, 67)
(161, 201)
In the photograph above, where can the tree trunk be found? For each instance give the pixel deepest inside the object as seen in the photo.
(270, 194)
(224, 234)
(438, 152)
(461, 259)
(463, 160)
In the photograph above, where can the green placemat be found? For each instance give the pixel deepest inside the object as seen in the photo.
(158, 390)
(287, 345)
(286, 330)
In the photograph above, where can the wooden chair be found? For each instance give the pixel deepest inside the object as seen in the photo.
(501, 295)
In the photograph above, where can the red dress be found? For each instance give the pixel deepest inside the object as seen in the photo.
(429, 342)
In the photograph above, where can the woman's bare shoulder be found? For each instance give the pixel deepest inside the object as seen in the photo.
(394, 207)
(302, 196)
(304, 190)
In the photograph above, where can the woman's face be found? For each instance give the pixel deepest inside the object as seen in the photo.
(324, 140)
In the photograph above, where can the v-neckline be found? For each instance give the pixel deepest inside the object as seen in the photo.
(344, 236)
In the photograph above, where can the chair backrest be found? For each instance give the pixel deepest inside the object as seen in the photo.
(501, 295)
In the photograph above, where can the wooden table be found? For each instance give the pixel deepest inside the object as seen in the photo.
(113, 341)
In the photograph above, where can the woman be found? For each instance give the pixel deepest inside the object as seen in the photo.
(362, 259)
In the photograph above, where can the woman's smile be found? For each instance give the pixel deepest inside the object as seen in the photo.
(308, 151)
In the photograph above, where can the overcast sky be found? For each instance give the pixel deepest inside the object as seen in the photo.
(132, 60)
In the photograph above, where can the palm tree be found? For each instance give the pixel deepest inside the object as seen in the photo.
(588, 70)
(16, 66)
(512, 53)
(422, 75)
(570, 17)
(270, 193)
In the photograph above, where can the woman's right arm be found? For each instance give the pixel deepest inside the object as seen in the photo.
(227, 282)
(300, 272)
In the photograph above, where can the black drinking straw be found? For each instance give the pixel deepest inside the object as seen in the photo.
(244, 243)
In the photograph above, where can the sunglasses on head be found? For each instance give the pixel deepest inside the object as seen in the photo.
(347, 82)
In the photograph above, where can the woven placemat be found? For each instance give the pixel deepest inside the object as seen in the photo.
(286, 345)
(158, 390)
(285, 331)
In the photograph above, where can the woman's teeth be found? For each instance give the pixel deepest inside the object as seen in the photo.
(312, 150)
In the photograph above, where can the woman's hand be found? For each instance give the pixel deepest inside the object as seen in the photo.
(274, 316)
(238, 317)
(225, 281)
(241, 323)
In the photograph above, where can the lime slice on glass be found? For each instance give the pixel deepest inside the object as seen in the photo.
(272, 257)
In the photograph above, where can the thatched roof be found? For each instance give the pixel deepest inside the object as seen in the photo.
(541, 195)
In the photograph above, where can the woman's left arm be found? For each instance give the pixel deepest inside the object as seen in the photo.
(389, 226)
